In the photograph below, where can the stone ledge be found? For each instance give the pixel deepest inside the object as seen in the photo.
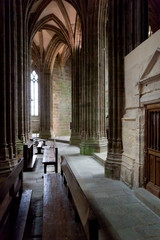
(121, 215)
(100, 157)
(148, 199)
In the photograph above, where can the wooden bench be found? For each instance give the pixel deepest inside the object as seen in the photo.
(29, 157)
(21, 220)
(50, 157)
(82, 205)
(58, 216)
(11, 197)
(39, 147)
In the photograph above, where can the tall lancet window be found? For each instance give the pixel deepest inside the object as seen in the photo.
(34, 94)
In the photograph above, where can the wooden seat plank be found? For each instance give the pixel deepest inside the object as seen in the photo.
(50, 157)
(22, 215)
(32, 163)
(58, 217)
(39, 147)
(83, 206)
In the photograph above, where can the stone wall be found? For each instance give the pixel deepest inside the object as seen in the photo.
(142, 87)
(35, 124)
(61, 98)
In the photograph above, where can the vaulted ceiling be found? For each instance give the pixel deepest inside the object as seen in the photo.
(53, 29)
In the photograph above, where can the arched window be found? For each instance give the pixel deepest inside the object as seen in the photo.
(34, 94)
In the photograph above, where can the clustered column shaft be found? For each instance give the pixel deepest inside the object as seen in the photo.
(14, 84)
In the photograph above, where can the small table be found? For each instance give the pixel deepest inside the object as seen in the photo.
(50, 157)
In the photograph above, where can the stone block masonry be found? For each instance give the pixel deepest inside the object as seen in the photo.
(62, 99)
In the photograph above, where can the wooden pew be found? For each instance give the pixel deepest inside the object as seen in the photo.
(50, 157)
(39, 147)
(21, 220)
(82, 205)
(29, 158)
(58, 215)
(11, 195)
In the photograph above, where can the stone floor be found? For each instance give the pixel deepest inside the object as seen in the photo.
(33, 180)
(121, 215)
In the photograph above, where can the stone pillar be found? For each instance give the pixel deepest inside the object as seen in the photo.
(3, 135)
(76, 96)
(8, 77)
(93, 91)
(116, 87)
(20, 139)
(136, 18)
(7, 90)
(29, 90)
(14, 85)
(45, 104)
(26, 85)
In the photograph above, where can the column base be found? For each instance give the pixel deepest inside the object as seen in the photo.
(113, 165)
(89, 147)
(75, 140)
(6, 167)
(19, 144)
(45, 134)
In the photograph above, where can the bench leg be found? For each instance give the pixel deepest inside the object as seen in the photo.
(45, 168)
(39, 150)
(93, 230)
(56, 167)
(76, 215)
(69, 193)
(56, 158)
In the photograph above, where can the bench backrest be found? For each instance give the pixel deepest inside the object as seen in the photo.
(27, 153)
(9, 189)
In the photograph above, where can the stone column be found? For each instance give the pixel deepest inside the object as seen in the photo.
(14, 85)
(115, 87)
(20, 120)
(76, 97)
(29, 90)
(93, 91)
(7, 90)
(8, 77)
(3, 133)
(136, 17)
(45, 104)
(26, 85)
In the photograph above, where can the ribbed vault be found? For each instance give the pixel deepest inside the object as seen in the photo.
(52, 27)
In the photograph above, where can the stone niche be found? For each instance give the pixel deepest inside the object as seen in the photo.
(142, 87)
